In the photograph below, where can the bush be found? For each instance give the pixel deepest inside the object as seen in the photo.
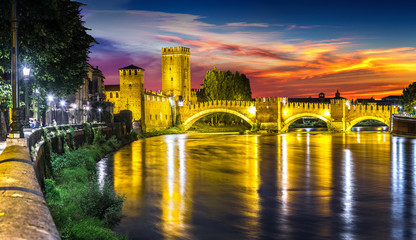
(88, 133)
(75, 158)
(105, 205)
(99, 137)
(52, 194)
(91, 229)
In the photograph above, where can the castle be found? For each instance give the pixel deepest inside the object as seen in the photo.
(159, 106)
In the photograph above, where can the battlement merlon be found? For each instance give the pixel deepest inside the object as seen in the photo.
(176, 50)
(131, 70)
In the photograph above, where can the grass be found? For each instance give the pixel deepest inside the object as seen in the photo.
(82, 209)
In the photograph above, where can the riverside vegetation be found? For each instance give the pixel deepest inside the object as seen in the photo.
(81, 208)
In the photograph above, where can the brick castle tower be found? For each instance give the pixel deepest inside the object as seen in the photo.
(132, 90)
(176, 72)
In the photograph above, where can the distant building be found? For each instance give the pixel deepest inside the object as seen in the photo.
(389, 100)
(321, 98)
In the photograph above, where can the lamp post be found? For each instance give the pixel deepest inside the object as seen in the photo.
(99, 113)
(26, 74)
(16, 131)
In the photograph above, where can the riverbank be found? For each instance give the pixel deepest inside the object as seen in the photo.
(80, 206)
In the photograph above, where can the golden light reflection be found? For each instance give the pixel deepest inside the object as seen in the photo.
(128, 176)
(173, 204)
(252, 182)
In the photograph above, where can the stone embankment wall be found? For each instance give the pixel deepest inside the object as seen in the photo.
(24, 213)
(404, 125)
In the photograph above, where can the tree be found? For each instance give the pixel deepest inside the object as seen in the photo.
(52, 41)
(219, 85)
(408, 98)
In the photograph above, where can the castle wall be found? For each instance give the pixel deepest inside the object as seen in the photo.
(158, 112)
(114, 97)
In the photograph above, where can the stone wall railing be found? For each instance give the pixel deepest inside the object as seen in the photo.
(24, 213)
(404, 125)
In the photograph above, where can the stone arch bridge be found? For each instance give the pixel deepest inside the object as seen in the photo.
(277, 114)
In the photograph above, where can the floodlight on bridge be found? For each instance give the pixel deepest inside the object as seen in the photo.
(252, 110)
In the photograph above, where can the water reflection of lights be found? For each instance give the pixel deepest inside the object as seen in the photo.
(397, 187)
(348, 199)
(173, 201)
(101, 169)
(284, 174)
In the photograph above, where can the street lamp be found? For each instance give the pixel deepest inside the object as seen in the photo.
(414, 109)
(26, 74)
(99, 113)
(16, 131)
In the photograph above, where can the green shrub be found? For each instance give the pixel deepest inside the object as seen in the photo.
(76, 174)
(71, 136)
(113, 142)
(88, 133)
(75, 158)
(91, 229)
(104, 204)
(99, 137)
(52, 194)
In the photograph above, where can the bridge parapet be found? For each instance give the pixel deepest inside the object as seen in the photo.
(220, 103)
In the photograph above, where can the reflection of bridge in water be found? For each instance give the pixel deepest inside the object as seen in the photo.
(277, 114)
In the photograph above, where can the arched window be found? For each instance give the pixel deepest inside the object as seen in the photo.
(116, 94)
(111, 95)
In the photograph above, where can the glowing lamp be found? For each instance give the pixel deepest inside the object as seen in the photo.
(50, 98)
(26, 73)
(252, 110)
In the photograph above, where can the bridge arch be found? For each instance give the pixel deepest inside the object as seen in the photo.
(191, 120)
(293, 118)
(363, 118)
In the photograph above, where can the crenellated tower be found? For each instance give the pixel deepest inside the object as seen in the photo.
(132, 90)
(176, 72)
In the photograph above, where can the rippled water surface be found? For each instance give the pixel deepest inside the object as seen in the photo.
(289, 186)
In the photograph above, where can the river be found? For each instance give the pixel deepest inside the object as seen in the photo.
(312, 185)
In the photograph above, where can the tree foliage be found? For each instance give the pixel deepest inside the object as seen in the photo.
(408, 98)
(219, 85)
(52, 41)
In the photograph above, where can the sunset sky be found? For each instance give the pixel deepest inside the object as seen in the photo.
(292, 48)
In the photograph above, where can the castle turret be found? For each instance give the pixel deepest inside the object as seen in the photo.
(176, 72)
(132, 90)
